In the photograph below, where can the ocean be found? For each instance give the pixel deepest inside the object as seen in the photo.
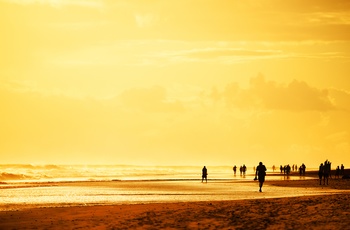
(41, 173)
(26, 186)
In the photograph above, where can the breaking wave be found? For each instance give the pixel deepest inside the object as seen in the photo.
(11, 176)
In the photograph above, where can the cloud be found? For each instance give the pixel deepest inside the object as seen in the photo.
(69, 127)
(341, 98)
(168, 52)
(228, 54)
(143, 123)
(217, 52)
(296, 96)
(231, 20)
(224, 55)
(329, 18)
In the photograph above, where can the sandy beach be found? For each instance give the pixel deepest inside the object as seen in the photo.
(170, 114)
(330, 210)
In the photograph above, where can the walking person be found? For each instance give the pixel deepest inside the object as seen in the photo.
(260, 173)
(204, 174)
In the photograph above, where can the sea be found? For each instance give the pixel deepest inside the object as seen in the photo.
(40, 186)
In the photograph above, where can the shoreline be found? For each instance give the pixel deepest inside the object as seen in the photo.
(328, 210)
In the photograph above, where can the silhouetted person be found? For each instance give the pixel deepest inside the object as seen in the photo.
(261, 173)
(303, 169)
(337, 172)
(288, 169)
(234, 169)
(342, 169)
(244, 169)
(204, 174)
(329, 165)
(320, 172)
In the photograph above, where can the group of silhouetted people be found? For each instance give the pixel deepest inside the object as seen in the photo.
(242, 170)
(302, 170)
(260, 173)
(324, 172)
(339, 171)
(287, 169)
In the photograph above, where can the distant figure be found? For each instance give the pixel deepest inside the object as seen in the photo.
(288, 169)
(261, 173)
(329, 165)
(234, 169)
(303, 169)
(342, 169)
(337, 172)
(204, 174)
(320, 173)
(281, 168)
(244, 169)
(240, 170)
(273, 168)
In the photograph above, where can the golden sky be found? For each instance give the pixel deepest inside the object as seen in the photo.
(195, 82)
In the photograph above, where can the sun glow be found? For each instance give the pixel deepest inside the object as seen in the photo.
(174, 83)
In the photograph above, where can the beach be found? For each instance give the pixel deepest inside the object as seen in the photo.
(314, 207)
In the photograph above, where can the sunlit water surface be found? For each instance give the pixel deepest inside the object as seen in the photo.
(47, 186)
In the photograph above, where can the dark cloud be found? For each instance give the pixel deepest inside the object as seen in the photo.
(295, 96)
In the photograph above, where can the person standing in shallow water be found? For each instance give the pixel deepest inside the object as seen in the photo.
(204, 174)
(260, 173)
(234, 170)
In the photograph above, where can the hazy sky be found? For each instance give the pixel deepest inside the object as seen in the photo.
(192, 82)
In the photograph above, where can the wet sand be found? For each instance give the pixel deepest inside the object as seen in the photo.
(330, 210)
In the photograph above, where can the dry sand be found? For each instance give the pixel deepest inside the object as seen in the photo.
(304, 212)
